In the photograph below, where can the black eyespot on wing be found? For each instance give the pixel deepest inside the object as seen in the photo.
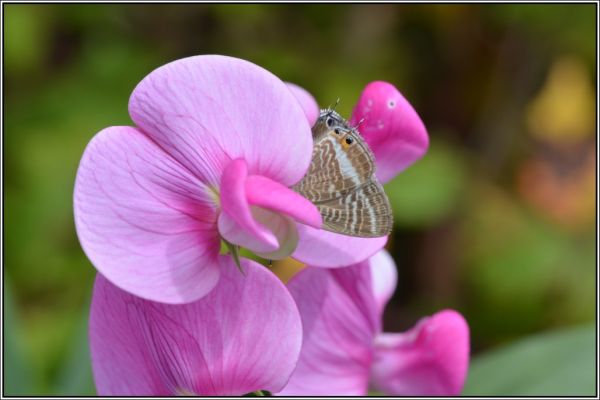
(337, 131)
(349, 140)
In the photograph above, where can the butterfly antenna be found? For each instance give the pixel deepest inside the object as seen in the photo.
(331, 109)
(359, 123)
(336, 104)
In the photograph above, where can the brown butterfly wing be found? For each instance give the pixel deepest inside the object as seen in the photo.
(364, 212)
(336, 169)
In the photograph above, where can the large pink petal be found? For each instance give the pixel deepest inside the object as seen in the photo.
(429, 360)
(391, 127)
(143, 220)
(339, 320)
(245, 335)
(326, 249)
(384, 277)
(307, 101)
(208, 110)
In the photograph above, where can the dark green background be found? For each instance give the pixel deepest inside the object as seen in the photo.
(497, 221)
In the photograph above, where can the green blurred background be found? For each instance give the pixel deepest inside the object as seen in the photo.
(496, 221)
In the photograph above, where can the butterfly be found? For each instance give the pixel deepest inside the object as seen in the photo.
(341, 180)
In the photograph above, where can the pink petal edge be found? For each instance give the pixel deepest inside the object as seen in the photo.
(326, 249)
(384, 276)
(431, 359)
(307, 101)
(392, 129)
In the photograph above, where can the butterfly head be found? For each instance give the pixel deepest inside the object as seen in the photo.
(328, 121)
(331, 119)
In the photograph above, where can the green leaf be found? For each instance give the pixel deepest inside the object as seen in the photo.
(560, 363)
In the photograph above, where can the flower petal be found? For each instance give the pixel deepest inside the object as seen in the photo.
(429, 360)
(245, 335)
(391, 127)
(236, 223)
(143, 220)
(307, 101)
(326, 249)
(384, 277)
(274, 196)
(284, 229)
(339, 320)
(257, 212)
(208, 110)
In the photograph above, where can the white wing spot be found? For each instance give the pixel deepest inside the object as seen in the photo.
(345, 163)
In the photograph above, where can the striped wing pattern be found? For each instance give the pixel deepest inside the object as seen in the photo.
(341, 182)
(334, 172)
(364, 212)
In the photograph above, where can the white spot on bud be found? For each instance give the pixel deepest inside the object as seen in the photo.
(391, 104)
(380, 124)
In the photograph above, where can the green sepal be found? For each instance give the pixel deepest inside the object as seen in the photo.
(234, 250)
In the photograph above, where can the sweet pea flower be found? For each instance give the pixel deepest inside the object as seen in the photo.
(244, 336)
(216, 145)
(344, 351)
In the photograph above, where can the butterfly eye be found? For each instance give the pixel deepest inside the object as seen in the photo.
(349, 140)
(330, 122)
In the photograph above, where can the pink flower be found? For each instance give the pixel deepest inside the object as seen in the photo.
(344, 350)
(218, 141)
(244, 336)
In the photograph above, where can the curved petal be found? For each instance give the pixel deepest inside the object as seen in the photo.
(429, 360)
(307, 101)
(274, 196)
(208, 110)
(245, 335)
(384, 277)
(284, 229)
(326, 249)
(261, 229)
(391, 127)
(236, 223)
(339, 320)
(143, 220)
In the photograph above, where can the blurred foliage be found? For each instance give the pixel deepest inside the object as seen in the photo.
(497, 220)
(560, 363)
(419, 197)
